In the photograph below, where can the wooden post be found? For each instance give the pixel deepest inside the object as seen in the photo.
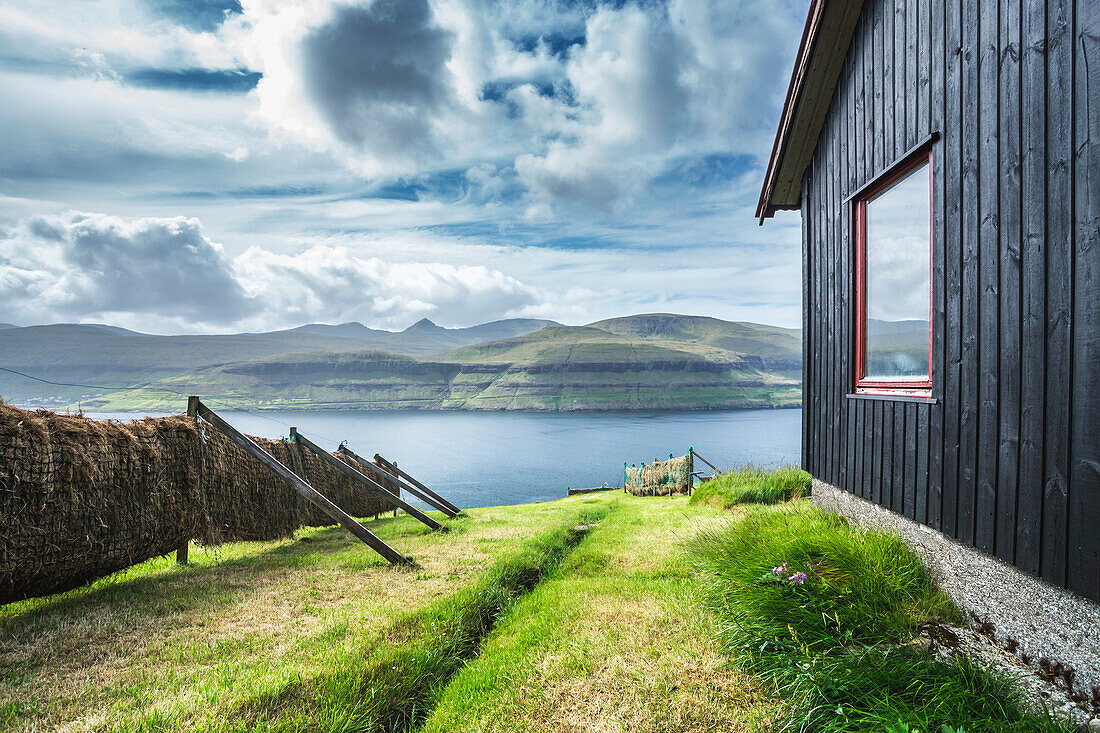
(440, 504)
(181, 551)
(350, 472)
(301, 486)
(395, 511)
(392, 468)
(691, 471)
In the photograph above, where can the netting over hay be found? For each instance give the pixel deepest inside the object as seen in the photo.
(81, 498)
(660, 478)
(244, 500)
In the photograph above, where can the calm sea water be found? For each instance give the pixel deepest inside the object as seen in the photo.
(493, 458)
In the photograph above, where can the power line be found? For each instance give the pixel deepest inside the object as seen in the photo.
(149, 385)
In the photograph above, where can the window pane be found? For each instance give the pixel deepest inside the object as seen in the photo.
(898, 288)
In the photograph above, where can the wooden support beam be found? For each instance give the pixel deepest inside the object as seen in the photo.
(300, 485)
(443, 506)
(349, 471)
(392, 468)
(181, 551)
(704, 460)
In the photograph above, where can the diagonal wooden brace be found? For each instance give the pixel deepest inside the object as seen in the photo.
(300, 485)
(392, 468)
(350, 471)
(443, 506)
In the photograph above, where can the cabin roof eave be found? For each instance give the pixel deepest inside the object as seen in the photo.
(830, 25)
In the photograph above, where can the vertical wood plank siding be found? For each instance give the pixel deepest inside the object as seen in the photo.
(1007, 458)
(938, 61)
(1059, 269)
(1084, 509)
(1010, 234)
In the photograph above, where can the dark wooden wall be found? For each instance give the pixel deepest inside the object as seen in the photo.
(1008, 458)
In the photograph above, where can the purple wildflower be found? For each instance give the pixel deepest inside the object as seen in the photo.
(798, 578)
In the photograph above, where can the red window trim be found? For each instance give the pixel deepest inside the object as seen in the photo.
(907, 164)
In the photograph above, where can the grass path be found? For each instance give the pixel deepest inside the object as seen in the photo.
(613, 641)
(601, 612)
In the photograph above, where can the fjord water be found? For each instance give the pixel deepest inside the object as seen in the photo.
(493, 458)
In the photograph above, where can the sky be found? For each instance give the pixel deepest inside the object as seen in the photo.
(207, 166)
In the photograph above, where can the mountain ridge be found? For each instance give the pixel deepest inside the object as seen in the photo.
(110, 356)
(556, 368)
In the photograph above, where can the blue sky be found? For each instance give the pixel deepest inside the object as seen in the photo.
(213, 166)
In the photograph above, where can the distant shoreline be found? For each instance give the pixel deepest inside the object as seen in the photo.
(525, 411)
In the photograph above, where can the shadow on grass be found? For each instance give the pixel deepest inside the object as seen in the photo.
(397, 681)
(197, 589)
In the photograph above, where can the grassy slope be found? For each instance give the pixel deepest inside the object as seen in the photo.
(425, 337)
(101, 356)
(556, 368)
(771, 342)
(315, 634)
(394, 683)
(160, 642)
(753, 485)
(827, 613)
(506, 628)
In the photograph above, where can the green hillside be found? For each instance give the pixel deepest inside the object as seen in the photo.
(558, 368)
(107, 356)
(780, 349)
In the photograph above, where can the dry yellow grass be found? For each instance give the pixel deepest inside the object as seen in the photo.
(161, 641)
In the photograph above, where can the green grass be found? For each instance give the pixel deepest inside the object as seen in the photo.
(595, 612)
(833, 647)
(506, 626)
(614, 640)
(171, 647)
(393, 686)
(753, 485)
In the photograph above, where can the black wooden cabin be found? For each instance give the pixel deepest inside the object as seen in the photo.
(987, 114)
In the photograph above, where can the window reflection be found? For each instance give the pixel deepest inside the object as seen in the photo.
(898, 289)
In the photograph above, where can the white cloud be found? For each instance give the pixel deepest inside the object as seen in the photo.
(332, 284)
(629, 83)
(80, 266)
(397, 87)
(569, 145)
(116, 31)
(99, 119)
(165, 274)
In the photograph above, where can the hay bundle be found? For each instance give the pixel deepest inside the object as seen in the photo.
(245, 500)
(81, 499)
(660, 478)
